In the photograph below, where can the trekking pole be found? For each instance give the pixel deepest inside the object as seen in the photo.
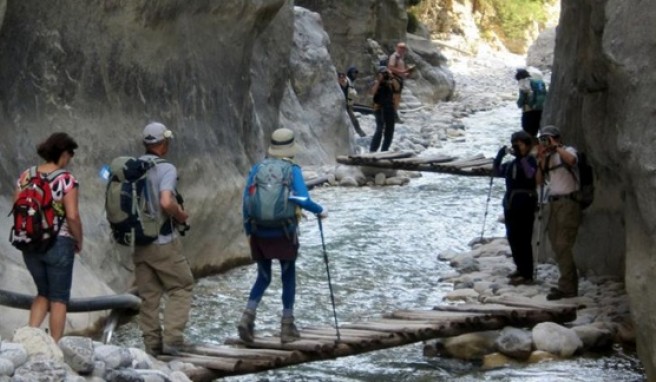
(539, 239)
(330, 285)
(487, 204)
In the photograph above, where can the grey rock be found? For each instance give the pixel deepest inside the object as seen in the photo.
(154, 375)
(124, 375)
(37, 343)
(594, 338)
(556, 339)
(515, 343)
(348, 182)
(99, 369)
(6, 367)
(140, 359)
(42, 371)
(78, 353)
(14, 352)
(114, 357)
(397, 181)
(178, 376)
(379, 179)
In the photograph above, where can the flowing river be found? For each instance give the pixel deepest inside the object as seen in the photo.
(383, 243)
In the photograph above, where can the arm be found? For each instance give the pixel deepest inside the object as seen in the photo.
(300, 195)
(529, 166)
(376, 85)
(394, 67)
(167, 200)
(70, 201)
(497, 169)
(566, 155)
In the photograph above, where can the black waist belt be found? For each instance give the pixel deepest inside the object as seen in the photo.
(555, 198)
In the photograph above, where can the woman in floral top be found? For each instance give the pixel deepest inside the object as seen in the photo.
(52, 271)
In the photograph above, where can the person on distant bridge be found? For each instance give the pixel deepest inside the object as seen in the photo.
(383, 90)
(532, 94)
(400, 71)
(346, 83)
(519, 203)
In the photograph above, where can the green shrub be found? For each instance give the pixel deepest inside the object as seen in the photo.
(515, 16)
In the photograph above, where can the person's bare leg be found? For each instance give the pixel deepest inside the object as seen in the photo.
(57, 319)
(38, 311)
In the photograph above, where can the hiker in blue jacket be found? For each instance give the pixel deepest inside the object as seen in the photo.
(532, 94)
(271, 225)
(519, 203)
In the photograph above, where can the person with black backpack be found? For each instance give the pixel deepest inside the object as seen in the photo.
(160, 266)
(48, 230)
(557, 168)
(275, 193)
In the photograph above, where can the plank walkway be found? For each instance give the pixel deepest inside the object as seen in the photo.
(394, 329)
(401, 160)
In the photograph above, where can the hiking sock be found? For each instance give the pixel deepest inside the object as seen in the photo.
(287, 313)
(252, 305)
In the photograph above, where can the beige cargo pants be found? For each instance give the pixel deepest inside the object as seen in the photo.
(162, 269)
(563, 226)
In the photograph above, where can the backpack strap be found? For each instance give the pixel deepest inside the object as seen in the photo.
(53, 175)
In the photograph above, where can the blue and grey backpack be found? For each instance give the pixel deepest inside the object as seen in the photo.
(267, 197)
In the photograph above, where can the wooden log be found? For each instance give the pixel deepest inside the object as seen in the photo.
(279, 356)
(332, 338)
(430, 315)
(427, 160)
(459, 162)
(465, 163)
(314, 182)
(395, 165)
(274, 343)
(227, 365)
(524, 302)
(384, 155)
(349, 332)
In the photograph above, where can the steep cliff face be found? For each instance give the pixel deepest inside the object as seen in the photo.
(215, 71)
(602, 97)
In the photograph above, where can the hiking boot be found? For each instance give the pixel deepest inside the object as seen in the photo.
(520, 281)
(246, 325)
(288, 331)
(559, 294)
(514, 275)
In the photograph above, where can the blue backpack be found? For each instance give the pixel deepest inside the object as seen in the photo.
(267, 196)
(538, 94)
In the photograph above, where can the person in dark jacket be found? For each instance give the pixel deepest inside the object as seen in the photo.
(383, 91)
(532, 94)
(519, 202)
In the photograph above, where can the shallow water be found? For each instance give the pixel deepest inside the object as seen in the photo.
(383, 243)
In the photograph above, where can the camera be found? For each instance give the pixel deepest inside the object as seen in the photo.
(544, 141)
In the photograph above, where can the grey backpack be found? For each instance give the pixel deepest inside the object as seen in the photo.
(267, 197)
(128, 203)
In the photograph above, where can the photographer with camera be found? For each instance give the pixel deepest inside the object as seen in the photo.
(383, 91)
(555, 169)
(519, 203)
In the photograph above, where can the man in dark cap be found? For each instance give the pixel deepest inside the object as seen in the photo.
(556, 168)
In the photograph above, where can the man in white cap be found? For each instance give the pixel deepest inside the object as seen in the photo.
(274, 194)
(397, 66)
(556, 167)
(161, 267)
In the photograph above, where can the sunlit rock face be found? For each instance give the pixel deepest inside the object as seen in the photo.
(214, 71)
(602, 98)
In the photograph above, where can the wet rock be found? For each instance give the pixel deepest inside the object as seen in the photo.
(396, 181)
(594, 338)
(99, 369)
(78, 353)
(178, 376)
(496, 360)
(125, 375)
(140, 360)
(448, 255)
(379, 179)
(348, 182)
(556, 339)
(541, 356)
(470, 346)
(515, 343)
(37, 343)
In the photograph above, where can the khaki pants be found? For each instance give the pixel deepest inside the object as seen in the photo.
(564, 221)
(161, 269)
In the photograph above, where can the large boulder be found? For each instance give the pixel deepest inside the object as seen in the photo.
(602, 98)
(37, 344)
(555, 339)
(515, 343)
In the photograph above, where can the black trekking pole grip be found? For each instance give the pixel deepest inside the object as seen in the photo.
(330, 284)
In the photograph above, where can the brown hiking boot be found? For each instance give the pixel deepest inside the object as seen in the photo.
(288, 331)
(246, 325)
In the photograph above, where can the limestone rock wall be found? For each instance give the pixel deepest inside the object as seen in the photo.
(215, 71)
(602, 97)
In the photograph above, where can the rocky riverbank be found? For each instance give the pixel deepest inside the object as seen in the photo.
(32, 355)
(603, 316)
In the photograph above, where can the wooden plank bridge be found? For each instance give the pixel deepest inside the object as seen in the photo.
(398, 328)
(402, 160)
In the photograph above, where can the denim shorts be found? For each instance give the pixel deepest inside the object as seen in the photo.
(53, 271)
